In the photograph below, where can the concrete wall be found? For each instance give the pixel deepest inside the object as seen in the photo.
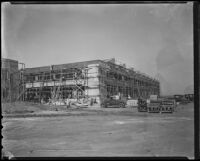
(93, 82)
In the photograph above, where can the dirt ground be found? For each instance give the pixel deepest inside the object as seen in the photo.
(108, 132)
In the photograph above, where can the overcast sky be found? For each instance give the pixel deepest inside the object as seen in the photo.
(156, 39)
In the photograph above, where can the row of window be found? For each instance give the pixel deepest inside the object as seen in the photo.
(115, 90)
(48, 76)
(133, 81)
(120, 77)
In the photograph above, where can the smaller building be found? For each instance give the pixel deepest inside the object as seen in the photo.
(10, 80)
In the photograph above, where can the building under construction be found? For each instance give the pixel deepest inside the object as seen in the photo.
(95, 79)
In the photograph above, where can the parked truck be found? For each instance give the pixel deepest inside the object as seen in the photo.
(189, 97)
(161, 105)
(181, 99)
(154, 106)
(167, 106)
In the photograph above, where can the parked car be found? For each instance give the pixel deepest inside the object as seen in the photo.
(113, 103)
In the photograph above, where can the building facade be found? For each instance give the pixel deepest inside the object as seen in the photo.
(96, 79)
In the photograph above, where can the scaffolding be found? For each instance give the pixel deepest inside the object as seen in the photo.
(80, 79)
(62, 80)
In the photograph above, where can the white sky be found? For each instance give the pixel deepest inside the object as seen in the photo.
(156, 39)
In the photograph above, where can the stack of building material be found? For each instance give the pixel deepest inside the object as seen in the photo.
(132, 102)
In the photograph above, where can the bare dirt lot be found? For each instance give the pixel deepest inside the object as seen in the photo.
(107, 132)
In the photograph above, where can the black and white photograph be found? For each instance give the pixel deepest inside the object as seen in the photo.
(97, 80)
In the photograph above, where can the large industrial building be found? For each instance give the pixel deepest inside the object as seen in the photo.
(95, 79)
